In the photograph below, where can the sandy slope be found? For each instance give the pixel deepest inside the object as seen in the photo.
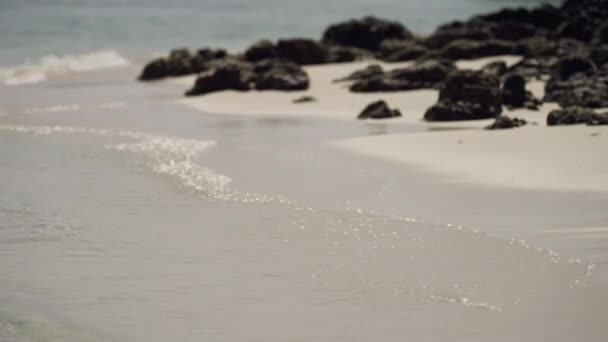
(568, 158)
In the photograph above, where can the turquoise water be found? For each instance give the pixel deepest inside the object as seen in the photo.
(32, 29)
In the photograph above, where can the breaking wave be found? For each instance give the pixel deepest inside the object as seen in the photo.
(54, 65)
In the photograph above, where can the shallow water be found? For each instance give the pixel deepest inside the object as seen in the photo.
(126, 217)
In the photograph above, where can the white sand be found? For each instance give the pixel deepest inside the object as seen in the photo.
(566, 158)
(536, 156)
(334, 100)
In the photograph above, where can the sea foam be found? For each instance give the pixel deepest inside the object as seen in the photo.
(54, 65)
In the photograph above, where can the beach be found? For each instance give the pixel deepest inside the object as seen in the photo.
(131, 212)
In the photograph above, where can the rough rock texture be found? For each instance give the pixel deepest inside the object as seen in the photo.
(495, 68)
(181, 62)
(342, 54)
(534, 67)
(467, 95)
(263, 49)
(367, 33)
(280, 75)
(302, 51)
(378, 110)
(576, 81)
(154, 70)
(363, 74)
(394, 50)
(470, 49)
(231, 76)
(505, 122)
(448, 33)
(576, 115)
(427, 74)
(515, 95)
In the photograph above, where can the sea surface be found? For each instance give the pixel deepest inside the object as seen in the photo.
(127, 217)
(61, 36)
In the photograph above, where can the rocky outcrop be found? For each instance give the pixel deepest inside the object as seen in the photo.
(470, 49)
(154, 70)
(495, 68)
(231, 76)
(367, 33)
(263, 49)
(576, 81)
(394, 50)
(180, 62)
(302, 51)
(467, 95)
(363, 74)
(268, 74)
(505, 122)
(515, 95)
(343, 54)
(427, 74)
(576, 115)
(378, 110)
(280, 75)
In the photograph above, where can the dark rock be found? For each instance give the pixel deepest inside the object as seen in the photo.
(599, 55)
(566, 67)
(155, 70)
(467, 95)
(179, 62)
(470, 49)
(181, 53)
(547, 16)
(514, 94)
(543, 17)
(576, 81)
(473, 87)
(231, 76)
(393, 50)
(495, 68)
(513, 30)
(208, 54)
(601, 34)
(302, 51)
(425, 74)
(428, 74)
(264, 49)
(448, 33)
(534, 67)
(343, 54)
(536, 47)
(580, 90)
(455, 111)
(363, 74)
(505, 122)
(378, 110)
(380, 84)
(280, 75)
(304, 99)
(581, 28)
(571, 47)
(367, 33)
(575, 115)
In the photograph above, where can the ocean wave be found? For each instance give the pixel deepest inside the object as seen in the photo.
(53, 65)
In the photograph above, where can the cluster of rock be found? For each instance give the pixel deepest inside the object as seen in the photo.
(576, 115)
(267, 74)
(565, 45)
